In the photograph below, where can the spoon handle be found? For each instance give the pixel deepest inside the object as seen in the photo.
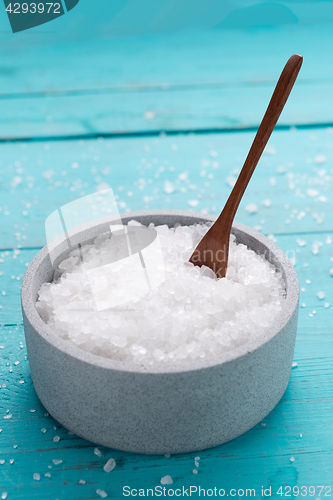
(275, 107)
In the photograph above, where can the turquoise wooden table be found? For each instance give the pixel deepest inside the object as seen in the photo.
(166, 120)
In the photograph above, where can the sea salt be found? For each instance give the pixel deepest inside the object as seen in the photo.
(110, 465)
(251, 208)
(36, 476)
(101, 493)
(166, 480)
(191, 315)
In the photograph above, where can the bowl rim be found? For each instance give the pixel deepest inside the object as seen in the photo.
(289, 305)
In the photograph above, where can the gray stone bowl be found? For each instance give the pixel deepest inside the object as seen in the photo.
(167, 410)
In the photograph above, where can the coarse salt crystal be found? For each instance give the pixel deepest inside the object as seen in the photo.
(312, 192)
(56, 461)
(82, 481)
(251, 208)
(98, 452)
(292, 459)
(320, 159)
(56, 439)
(110, 465)
(166, 480)
(321, 295)
(36, 476)
(101, 493)
(169, 188)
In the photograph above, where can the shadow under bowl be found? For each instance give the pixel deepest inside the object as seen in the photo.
(166, 409)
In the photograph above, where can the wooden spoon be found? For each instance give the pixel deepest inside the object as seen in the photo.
(213, 249)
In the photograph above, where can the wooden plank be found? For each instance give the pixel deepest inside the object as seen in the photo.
(224, 107)
(173, 81)
(297, 428)
(193, 56)
(37, 178)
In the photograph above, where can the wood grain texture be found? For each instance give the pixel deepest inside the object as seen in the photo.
(189, 80)
(37, 178)
(261, 457)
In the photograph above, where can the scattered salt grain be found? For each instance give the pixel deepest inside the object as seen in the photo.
(101, 493)
(4, 495)
(267, 203)
(269, 150)
(11, 460)
(251, 208)
(166, 480)
(193, 203)
(2, 461)
(326, 305)
(98, 452)
(169, 188)
(36, 476)
(320, 159)
(331, 271)
(110, 465)
(167, 455)
(56, 461)
(312, 192)
(7, 417)
(195, 471)
(321, 295)
(294, 364)
(56, 439)
(165, 325)
(47, 474)
(292, 459)
(82, 481)
(231, 180)
(301, 435)
(43, 430)
(301, 242)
